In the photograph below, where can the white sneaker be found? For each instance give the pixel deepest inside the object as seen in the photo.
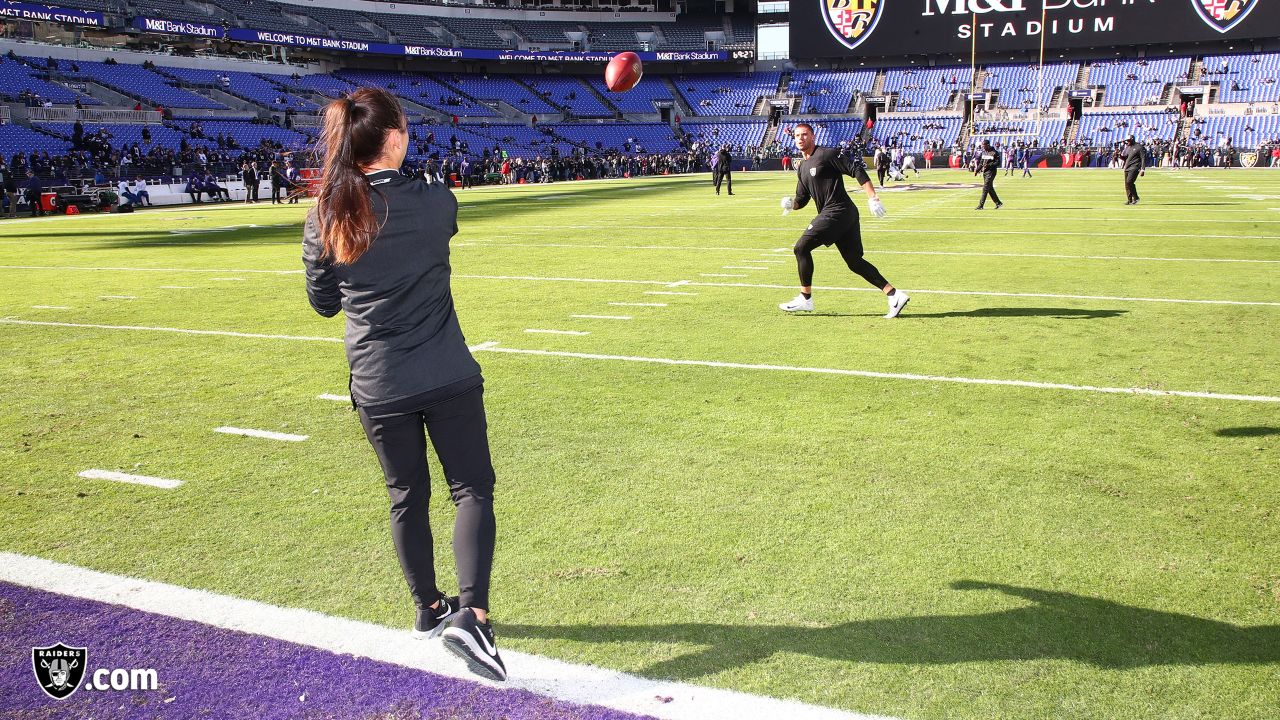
(798, 303)
(897, 301)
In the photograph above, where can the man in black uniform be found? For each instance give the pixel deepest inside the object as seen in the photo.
(821, 178)
(883, 161)
(1135, 164)
(989, 165)
(34, 191)
(723, 169)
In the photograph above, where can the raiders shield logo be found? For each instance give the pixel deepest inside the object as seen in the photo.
(1222, 15)
(59, 669)
(852, 21)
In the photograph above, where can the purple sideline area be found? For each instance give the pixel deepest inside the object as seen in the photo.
(210, 672)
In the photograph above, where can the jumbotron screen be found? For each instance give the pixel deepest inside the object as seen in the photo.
(851, 28)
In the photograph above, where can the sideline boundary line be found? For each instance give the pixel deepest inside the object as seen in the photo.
(544, 676)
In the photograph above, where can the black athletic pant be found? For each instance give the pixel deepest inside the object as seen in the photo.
(988, 188)
(846, 235)
(275, 194)
(1131, 184)
(881, 172)
(459, 434)
(723, 175)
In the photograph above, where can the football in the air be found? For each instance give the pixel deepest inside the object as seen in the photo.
(623, 72)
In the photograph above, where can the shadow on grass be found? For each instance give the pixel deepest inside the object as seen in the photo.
(1255, 431)
(1010, 312)
(1055, 625)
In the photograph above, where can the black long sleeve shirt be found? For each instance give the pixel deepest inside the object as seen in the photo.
(821, 177)
(403, 337)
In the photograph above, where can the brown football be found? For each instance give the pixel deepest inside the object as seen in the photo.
(623, 72)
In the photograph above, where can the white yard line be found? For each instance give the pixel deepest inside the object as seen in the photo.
(744, 267)
(895, 376)
(117, 297)
(114, 476)
(984, 293)
(494, 347)
(634, 304)
(721, 275)
(264, 434)
(602, 317)
(148, 269)
(660, 292)
(336, 398)
(584, 684)
(557, 332)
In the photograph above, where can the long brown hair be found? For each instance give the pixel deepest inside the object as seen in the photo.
(354, 129)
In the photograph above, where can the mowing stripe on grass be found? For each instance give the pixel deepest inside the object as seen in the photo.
(892, 376)
(719, 275)
(535, 278)
(176, 287)
(264, 434)
(544, 676)
(164, 483)
(898, 230)
(50, 307)
(117, 297)
(631, 304)
(557, 332)
(882, 251)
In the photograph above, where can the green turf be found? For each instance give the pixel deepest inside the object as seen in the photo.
(912, 548)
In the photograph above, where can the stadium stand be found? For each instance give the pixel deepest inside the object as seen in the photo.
(828, 133)
(640, 99)
(18, 80)
(136, 82)
(617, 37)
(349, 24)
(549, 32)
(16, 139)
(826, 91)
(723, 94)
(652, 137)
(506, 88)
(179, 10)
(1141, 82)
(248, 134)
(1050, 133)
(1016, 85)
(746, 134)
(420, 88)
(571, 93)
(123, 134)
(479, 33)
(413, 29)
(915, 133)
(921, 89)
(1244, 78)
(1243, 131)
(255, 88)
(1104, 128)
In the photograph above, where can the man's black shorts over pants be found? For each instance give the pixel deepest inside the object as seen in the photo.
(843, 231)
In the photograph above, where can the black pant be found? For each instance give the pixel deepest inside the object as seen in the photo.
(988, 188)
(1131, 184)
(846, 235)
(459, 434)
(725, 175)
(275, 194)
(881, 172)
(251, 191)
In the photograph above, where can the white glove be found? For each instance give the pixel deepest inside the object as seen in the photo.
(877, 207)
(788, 204)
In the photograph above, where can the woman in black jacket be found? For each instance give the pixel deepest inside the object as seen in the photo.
(376, 246)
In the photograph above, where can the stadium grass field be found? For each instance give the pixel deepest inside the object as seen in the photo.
(919, 548)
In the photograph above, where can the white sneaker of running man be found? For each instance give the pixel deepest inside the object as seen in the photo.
(897, 301)
(797, 304)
